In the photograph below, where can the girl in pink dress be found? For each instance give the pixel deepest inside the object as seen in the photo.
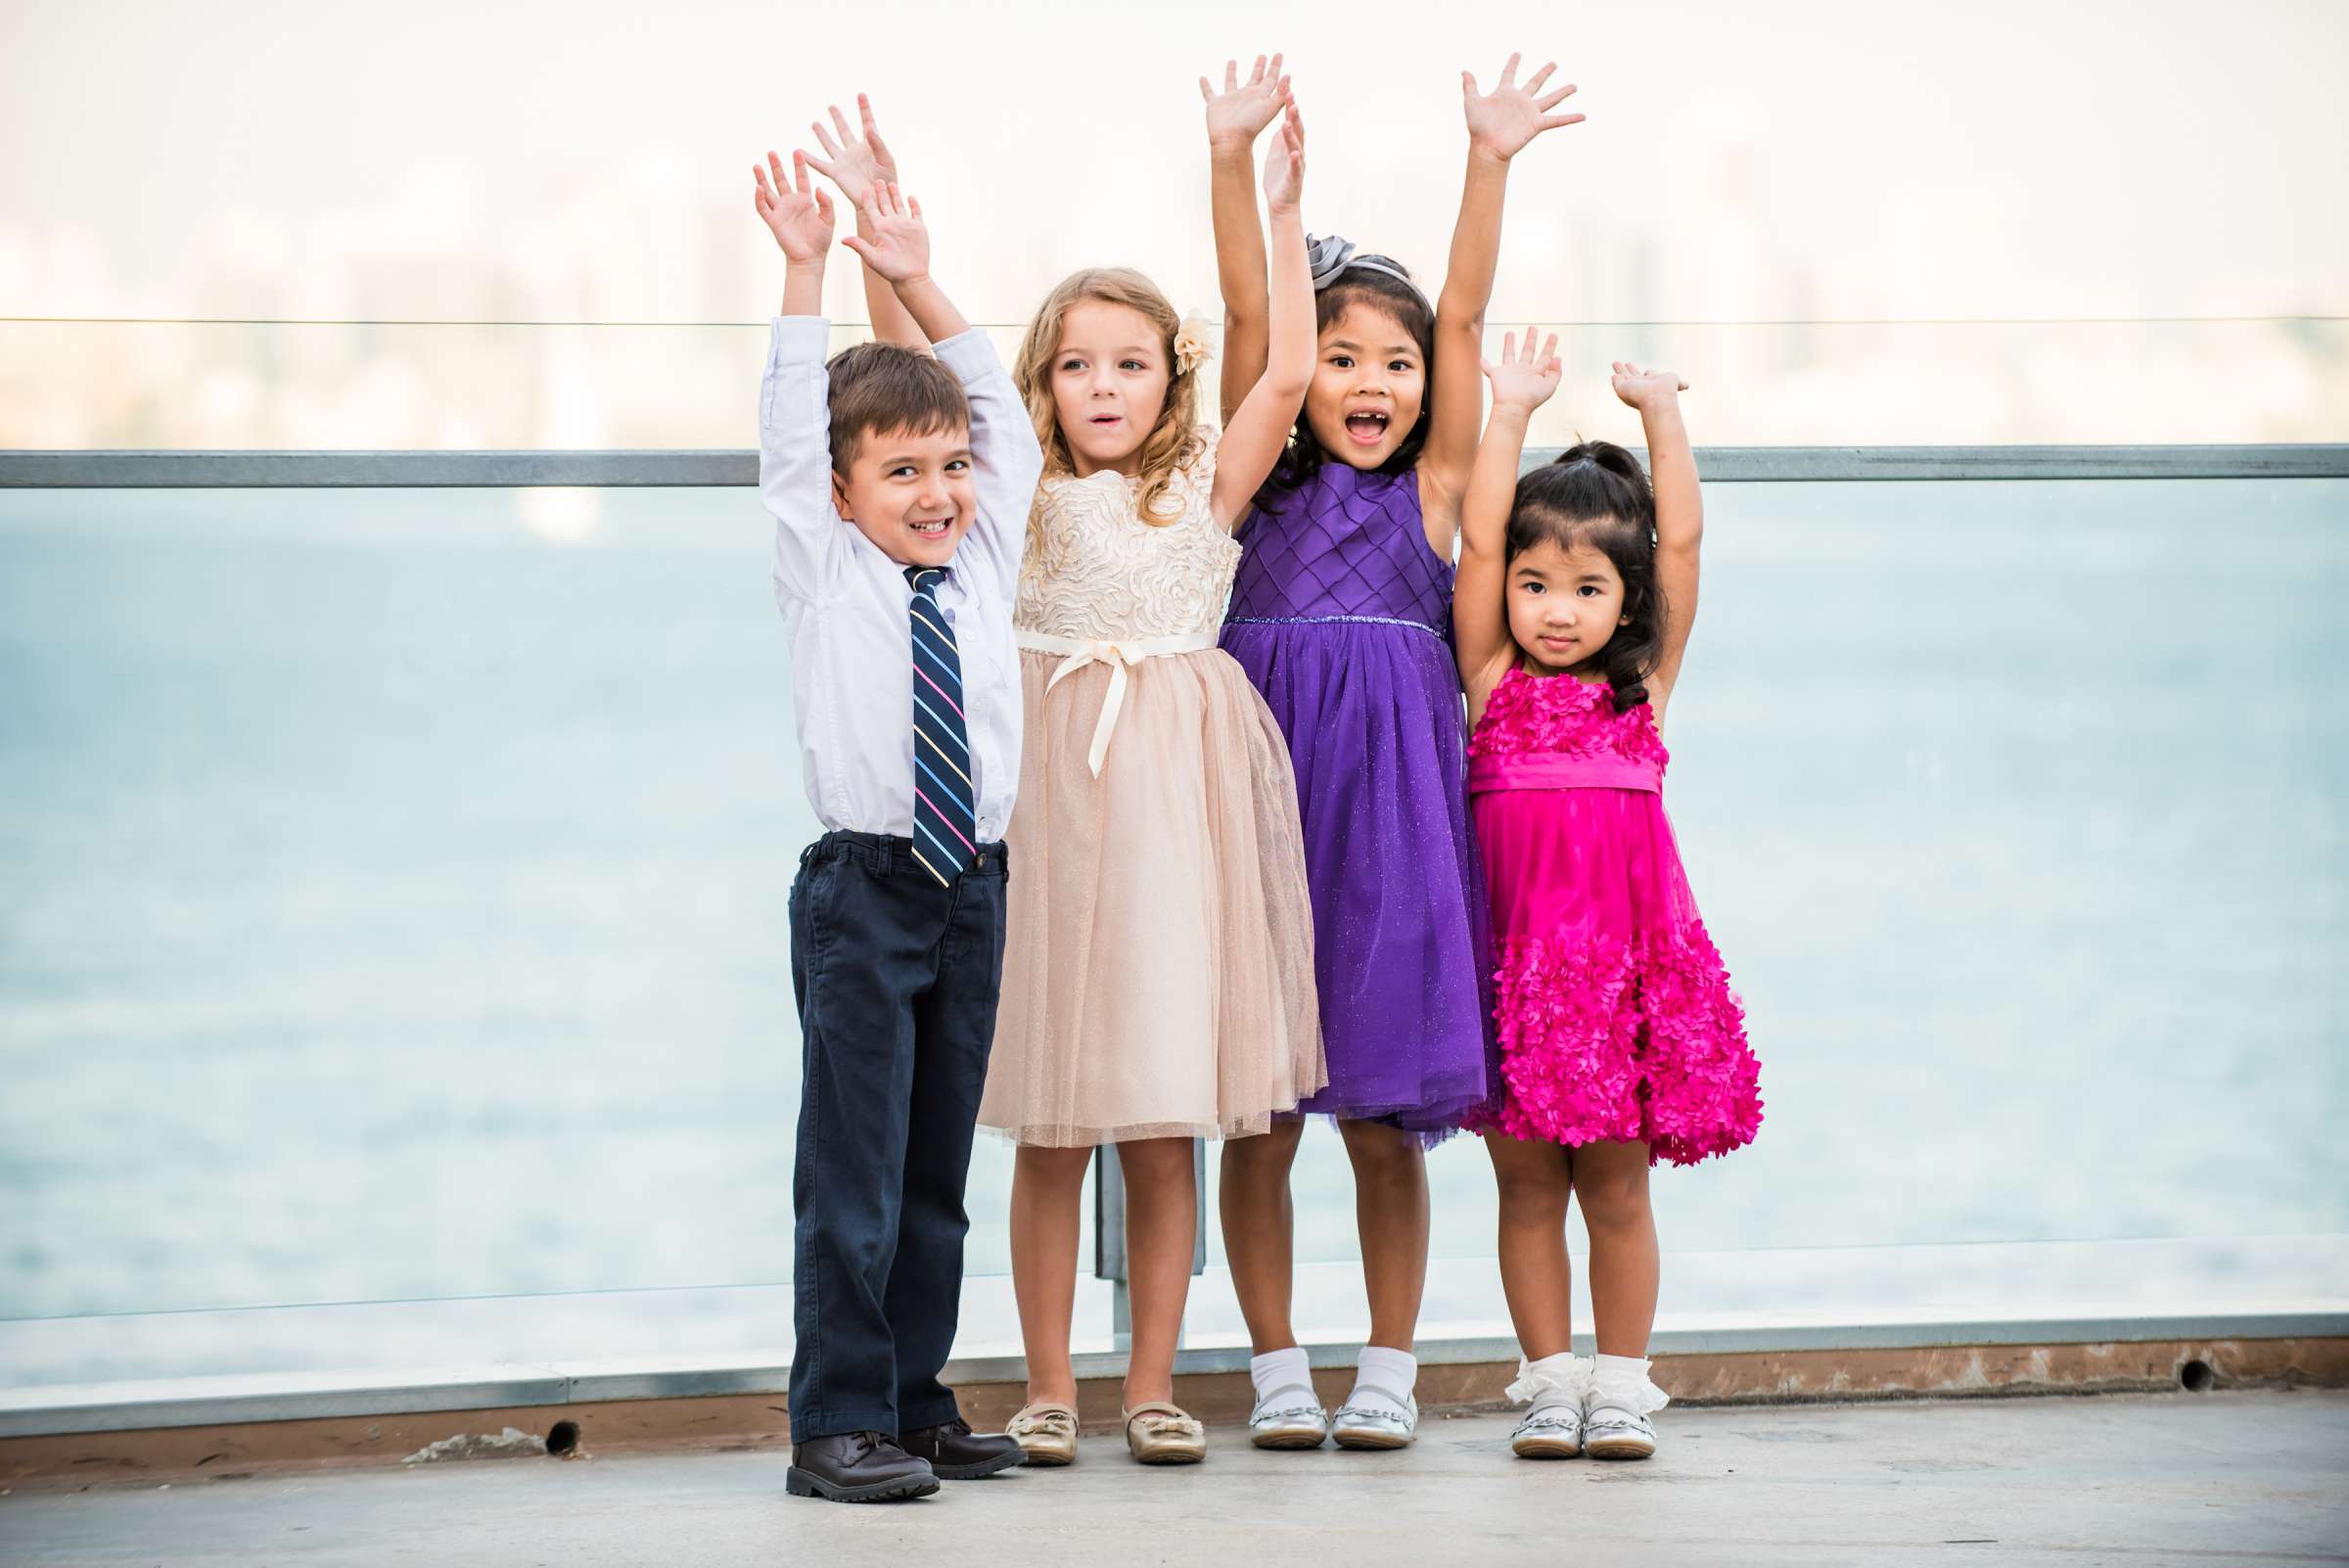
(1620, 1041)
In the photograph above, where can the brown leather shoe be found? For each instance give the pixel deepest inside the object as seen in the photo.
(857, 1467)
(958, 1454)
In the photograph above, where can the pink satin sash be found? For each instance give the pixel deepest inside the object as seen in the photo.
(1547, 770)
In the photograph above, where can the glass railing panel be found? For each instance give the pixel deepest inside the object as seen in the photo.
(394, 880)
(394, 896)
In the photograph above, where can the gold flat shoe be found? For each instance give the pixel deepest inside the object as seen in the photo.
(1160, 1433)
(1047, 1433)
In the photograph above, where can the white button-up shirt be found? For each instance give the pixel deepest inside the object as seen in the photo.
(849, 606)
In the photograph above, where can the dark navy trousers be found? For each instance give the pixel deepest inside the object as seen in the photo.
(897, 979)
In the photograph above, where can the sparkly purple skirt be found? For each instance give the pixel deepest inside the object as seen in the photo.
(1378, 734)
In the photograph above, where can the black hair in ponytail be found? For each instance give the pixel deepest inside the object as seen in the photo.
(1596, 495)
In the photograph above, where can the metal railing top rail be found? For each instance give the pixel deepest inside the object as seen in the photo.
(217, 1401)
(94, 469)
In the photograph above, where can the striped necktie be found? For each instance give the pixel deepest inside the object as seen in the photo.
(945, 827)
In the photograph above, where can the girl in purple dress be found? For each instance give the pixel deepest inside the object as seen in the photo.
(1622, 1044)
(1341, 616)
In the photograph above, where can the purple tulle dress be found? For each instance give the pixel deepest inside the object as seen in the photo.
(1341, 614)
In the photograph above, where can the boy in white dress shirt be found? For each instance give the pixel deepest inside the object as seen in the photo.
(900, 484)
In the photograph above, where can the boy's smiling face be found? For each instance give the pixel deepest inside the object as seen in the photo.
(910, 493)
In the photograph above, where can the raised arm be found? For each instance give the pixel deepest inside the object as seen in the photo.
(795, 461)
(1235, 117)
(801, 221)
(1480, 609)
(1679, 512)
(898, 251)
(857, 165)
(1255, 432)
(1500, 123)
(1005, 459)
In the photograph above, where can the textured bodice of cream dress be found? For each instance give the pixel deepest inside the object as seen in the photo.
(1097, 568)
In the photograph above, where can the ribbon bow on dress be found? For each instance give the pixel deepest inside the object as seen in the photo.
(1119, 653)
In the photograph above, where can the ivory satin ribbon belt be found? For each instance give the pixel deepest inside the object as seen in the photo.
(1118, 652)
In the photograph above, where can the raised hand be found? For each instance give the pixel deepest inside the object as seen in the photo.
(1243, 108)
(1647, 389)
(1501, 122)
(1284, 166)
(800, 218)
(855, 163)
(900, 248)
(1524, 381)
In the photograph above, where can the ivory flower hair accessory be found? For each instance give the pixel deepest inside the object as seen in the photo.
(1190, 345)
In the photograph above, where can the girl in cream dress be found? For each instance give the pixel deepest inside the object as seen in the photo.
(1158, 982)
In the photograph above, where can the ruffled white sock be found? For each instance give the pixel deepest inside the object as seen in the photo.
(1622, 1380)
(1555, 1382)
(1383, 1379)
(1285, 1374)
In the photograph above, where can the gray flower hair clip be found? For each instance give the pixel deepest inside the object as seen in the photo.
(1330, 255)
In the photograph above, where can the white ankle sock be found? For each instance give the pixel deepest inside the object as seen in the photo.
(1555, 1382)
(1280, 1369)
(1622, 1380)
(1391, 1371)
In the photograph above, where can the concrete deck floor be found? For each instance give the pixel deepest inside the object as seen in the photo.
(2216, 1478)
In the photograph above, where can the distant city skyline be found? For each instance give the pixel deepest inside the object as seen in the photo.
(1832, 162)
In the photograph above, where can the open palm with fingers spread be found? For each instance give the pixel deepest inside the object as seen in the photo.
(855, 163)
(900, 248)
(1524, 381)
(801, 218)
(1501, 122)
(1243, 108)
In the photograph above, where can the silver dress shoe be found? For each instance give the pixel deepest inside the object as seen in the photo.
(1549, 1432)
(1289, 1417)
(1356, 1426)
(1617, 1432)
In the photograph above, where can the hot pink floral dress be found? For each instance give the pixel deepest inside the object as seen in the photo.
(1617, 1021)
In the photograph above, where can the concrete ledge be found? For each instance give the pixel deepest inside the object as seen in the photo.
(756, 1418)
(242, 1399)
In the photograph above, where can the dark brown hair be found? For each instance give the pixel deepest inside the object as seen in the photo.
(1595, 493)
(1389, 295)
(887, 385)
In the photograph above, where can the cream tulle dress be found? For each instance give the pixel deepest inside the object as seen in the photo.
(1158, 975)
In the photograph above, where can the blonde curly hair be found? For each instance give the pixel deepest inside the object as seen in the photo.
(1175, 439)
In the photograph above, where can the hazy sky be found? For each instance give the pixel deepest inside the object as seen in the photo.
(589, 161)
(1982, 160)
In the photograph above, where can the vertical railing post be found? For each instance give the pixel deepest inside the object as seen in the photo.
(1109, 1242)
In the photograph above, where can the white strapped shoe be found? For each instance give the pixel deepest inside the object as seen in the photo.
(1358, 1427)
(1615, 1420)
(1613, 1430)
(1553, 1432)
(1289, 1417)
(1552, 1429)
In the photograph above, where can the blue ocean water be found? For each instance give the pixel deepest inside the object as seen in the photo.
(391, 885)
